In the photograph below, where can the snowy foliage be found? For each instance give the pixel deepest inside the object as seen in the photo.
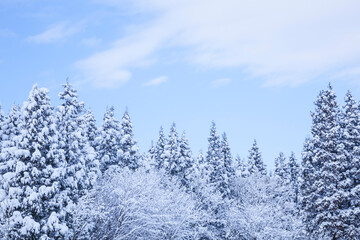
(264, 213)
(256, 164)
(326, 183)
(62, 177)
(129, 154)
(109, 141)
(33, 208)
(135, 205)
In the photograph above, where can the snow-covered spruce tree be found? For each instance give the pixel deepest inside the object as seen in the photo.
(11, 127)
(294, 174)
(256, 164)
(10, 150)
(199, 175)
(172, 153)
(78, 153)
(148, 159)
(217, 179)
(129, 153)
(159, 149)
(91, 130)
(281, 168)
(216, 159)
(109, 141)
(241, 168)
(308, 196)
(228, 165)
(350, 181)
(91, 134)
(185, 162)
(74, 142)
(35, 183)
(323, 196)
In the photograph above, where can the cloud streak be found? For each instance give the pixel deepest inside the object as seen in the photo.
(282, 42)
(220, 82)
(156, 81)
(56, 32)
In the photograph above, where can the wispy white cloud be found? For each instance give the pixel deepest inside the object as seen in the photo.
(91, 42)
(6, 33)
(282, 42)
(57, 32)
(220, 82)
(156, 81)
(109, 68)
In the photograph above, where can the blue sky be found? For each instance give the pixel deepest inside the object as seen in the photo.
(254, 67)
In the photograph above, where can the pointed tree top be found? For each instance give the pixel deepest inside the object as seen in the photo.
(109, 112)
(224, 136)
(330, 86)
(173, 128)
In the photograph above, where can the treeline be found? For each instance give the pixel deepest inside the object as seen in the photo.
(62, 177)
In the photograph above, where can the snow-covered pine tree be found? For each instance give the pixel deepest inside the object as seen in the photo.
(91, 134)
(148, 158)
(217, 179)
(10, 151)
(241, 168)
(200, 171)
(159, 150)
(329, 164)
(109, 141)
(350, 181)
(256, 164)
(38, 212)
(91, 130)
(74, 142)
(130, 156)
(228, 164)
(218, 175)
(172, 152)
(185, 161)
(281, 168)
(294, 174)
(308, 196)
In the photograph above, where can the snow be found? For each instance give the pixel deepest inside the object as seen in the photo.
(63, 178)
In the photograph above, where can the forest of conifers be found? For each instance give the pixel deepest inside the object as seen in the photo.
(63, 176)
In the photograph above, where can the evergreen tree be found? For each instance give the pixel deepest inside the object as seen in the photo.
(308, 195)
(91, 130)
(217, 179)
(281, 168)
(171, 153)
(226, 153)
(74, 143)
(91, 134)
(185, 161)
(130, 156)
(215, 158)
(350, 180)
(294, 174)
(241, 167)
(329, 164)
(109, 141)
(10, 149)
(159, 149)
(148, 159)
(34, 186)
(228, 165)
(255, 162)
